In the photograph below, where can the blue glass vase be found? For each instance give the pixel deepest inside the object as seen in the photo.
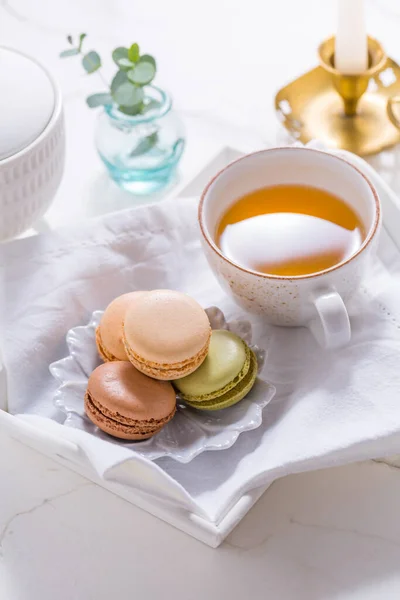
(141, 152)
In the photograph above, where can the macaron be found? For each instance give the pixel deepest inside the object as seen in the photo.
(166, 334)
(109, 333)
(126, 404)
(225, 377)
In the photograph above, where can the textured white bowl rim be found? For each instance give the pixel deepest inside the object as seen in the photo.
(53, 119)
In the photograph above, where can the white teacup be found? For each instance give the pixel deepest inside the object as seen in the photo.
(317, 300)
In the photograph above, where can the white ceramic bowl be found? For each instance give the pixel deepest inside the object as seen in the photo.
(32, 146)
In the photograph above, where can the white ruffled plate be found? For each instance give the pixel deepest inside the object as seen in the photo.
(190, 432)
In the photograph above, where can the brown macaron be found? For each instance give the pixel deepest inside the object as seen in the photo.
(127, 404)
(109, 333)
(166, 334)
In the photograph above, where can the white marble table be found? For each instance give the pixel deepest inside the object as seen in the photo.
(329, 534)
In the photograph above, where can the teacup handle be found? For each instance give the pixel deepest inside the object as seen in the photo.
(331, 326)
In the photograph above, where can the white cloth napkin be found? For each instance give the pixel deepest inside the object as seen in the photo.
(331, 407)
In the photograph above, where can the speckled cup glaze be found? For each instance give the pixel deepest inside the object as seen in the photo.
(317, 300)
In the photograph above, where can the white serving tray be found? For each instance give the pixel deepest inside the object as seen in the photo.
(163, 498)
(144, 483)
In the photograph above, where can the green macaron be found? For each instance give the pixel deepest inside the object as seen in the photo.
(225, 377)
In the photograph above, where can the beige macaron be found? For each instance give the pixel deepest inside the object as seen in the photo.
(166, 334)
(109, 333)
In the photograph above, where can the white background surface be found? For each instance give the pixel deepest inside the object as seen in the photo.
(325, 535)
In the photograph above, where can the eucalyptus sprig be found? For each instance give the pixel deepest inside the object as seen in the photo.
(135, 71)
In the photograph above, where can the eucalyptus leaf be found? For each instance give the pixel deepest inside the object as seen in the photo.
(149, 59)
(69, 39)
(66, 53)
(120, 78)
(142, 74)
(128, 94)
(81, 38)
(91, 62)
(119, 53)
(101, 99)
(133, 53)
(125, 64)
(145, 145)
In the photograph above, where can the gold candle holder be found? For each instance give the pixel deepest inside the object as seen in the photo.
(352, 87)
(359, 113)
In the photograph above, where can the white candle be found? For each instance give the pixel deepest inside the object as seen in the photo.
(351, 46)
